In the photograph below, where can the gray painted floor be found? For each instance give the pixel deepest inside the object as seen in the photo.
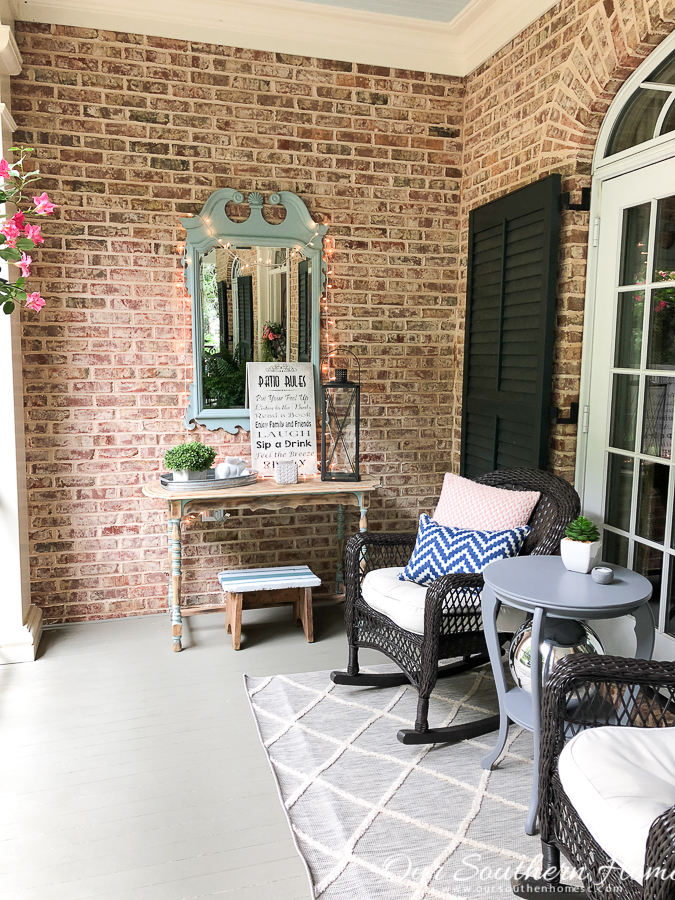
(130, 772)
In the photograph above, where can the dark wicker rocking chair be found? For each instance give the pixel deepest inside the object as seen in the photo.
(453, 625)
(642, 695)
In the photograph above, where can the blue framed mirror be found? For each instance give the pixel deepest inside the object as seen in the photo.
(256, 287)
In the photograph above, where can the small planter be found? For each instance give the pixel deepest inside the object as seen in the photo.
(580, 556)
(186, 475)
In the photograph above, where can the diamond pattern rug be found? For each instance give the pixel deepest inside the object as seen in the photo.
(376, 820)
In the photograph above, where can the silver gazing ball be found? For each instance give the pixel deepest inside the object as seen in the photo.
(562, 637)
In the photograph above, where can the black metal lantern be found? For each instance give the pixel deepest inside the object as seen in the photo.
(340, 412)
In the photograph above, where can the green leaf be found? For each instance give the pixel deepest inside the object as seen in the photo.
(20, 281)
(8, 307)
(9, 253)
(25, 244)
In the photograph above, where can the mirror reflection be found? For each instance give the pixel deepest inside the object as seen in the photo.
(256, 307)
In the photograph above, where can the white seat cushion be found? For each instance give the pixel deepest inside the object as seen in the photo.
(403, 601)
(620, 779)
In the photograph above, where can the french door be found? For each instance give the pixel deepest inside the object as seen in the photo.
(629, 480)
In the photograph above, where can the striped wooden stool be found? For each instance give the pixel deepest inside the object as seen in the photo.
(260, 588)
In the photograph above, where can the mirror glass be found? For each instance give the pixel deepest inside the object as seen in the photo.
(256, 307)
(255, 269)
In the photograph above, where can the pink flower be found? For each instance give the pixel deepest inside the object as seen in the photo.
(660, 306)
(11, 233)
(32, 232)
(18, 219)
(43, 206)
(34, 301)
(4, 169)
(24, 264)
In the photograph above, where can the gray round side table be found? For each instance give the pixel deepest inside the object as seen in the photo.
(541, 585)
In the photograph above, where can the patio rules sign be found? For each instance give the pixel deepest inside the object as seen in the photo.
(283, 415)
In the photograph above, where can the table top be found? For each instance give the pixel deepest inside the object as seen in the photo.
(267, 487)
(531, 581)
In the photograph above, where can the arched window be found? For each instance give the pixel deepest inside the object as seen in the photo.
(649, 113)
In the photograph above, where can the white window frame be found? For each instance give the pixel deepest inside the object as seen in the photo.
(638, 157)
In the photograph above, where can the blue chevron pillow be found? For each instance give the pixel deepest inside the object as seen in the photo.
(442, 550)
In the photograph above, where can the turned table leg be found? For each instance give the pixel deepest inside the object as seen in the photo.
(176, 618)
(364, 502)
(339, 572)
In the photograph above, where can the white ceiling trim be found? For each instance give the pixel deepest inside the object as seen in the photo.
(308, 29)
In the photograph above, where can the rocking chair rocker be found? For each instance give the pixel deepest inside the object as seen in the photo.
(453, 625)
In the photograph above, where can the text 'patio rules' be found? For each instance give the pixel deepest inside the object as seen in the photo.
(283, 415)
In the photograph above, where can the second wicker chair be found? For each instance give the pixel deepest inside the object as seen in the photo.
(453, 626)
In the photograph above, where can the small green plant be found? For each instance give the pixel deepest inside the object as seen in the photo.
(192, 457)
(582, 529)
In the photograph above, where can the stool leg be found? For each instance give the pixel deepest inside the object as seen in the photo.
(228, 612)
(307, 615)
(236, 620)
(297, 609)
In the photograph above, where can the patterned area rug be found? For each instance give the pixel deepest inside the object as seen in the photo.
(376, 820)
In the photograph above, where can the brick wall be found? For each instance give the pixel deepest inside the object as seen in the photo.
(535, 108)
(132, 132)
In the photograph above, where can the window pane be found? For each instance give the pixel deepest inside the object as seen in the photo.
(668, 124)
(664, 250)
(624, 411)
(630, 309)
(619, 489)
(657, 420)
(665, 73)
(638, 120)
(670, 608)
(661, 354)
(649, 562)
(652, 499)
(634, 244)
(614, 548)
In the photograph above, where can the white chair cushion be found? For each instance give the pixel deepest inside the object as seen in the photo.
(403, 601)
(620, 780)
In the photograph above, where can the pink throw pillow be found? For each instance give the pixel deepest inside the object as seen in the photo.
(465, 504)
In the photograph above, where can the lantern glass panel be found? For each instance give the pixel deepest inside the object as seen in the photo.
(340, 432)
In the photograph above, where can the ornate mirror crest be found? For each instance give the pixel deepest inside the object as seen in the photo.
(255, 289)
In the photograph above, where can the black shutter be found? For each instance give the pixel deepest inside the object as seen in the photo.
(245, 314)
(222, 316)
(304, 312)
(510, 317)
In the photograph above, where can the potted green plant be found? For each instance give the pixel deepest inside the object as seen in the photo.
(580, 548)
(189, 462)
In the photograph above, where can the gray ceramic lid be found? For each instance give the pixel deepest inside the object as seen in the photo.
(530, 581)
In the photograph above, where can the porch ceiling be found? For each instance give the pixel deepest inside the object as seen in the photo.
(449, 37)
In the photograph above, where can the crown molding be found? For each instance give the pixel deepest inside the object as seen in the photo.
(308, 29)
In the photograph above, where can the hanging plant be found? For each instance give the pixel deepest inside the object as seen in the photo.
(18, 238)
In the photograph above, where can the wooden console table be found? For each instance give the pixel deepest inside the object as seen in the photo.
(266, 494)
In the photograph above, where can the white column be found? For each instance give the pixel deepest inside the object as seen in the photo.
(20, 622)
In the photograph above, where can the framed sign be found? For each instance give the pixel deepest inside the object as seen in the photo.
(283, 415)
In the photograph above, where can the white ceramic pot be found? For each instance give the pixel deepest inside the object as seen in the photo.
(580, 556)
(185, 475)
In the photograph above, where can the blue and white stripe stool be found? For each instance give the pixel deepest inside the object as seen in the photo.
(260, 588)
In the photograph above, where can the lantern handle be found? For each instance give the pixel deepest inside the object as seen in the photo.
(340, 350)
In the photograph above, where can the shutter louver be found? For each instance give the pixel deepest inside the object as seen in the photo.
(245, 314)
(304, 322)
(510, 318)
